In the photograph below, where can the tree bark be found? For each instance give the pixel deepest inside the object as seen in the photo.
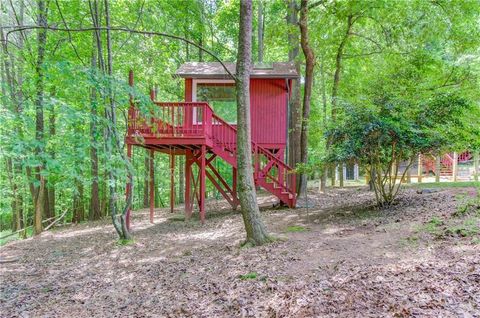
(94, 206)
(336, 84)
(254, 226)
(51, 185)
(14, 83)
(112, 141)
(324, 172)
(39, 193)
(307, 93)
(78, 206)
(295, 106)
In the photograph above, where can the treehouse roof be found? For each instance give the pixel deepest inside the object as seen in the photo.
(215, 70)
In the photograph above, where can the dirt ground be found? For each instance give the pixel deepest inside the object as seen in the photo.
(340, 258)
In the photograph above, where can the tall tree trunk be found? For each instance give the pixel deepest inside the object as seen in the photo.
(112, 141)
(295, 106)
(100, 64)
(336, 85)
(260, 31)
(78, 205)
(307, 93)
(256, 231)
(14, 83)
(39, 193)
(94, 206)
(324, 173)
(51, 187)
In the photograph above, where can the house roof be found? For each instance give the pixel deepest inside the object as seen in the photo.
(215, 70)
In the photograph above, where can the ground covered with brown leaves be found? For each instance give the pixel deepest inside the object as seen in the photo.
(341, 258)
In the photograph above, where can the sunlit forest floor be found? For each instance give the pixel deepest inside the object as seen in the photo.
(341, 257)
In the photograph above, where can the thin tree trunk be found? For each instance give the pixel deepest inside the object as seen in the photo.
(336, 83)
(324, 173)
(338, 67)
(254, 226)
(307, 93)
(95, 211)
(39, 193)
(295, 105)
(78, 205)
(51, 187)
(13, 166)
(120, 221)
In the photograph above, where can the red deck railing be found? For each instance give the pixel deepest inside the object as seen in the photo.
(178, 119)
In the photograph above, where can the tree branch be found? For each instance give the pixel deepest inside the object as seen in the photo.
(13, 29)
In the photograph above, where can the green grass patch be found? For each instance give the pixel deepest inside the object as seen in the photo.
(124, 242)
(19, 236)
(177, 218)
(463, 184)
(7, 239)
(251, 275)
(469, 228)
(296, 228)
(434, 226)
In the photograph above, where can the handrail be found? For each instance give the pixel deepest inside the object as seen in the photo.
(172, 119)
(257, 149)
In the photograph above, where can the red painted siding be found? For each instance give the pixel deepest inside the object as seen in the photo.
(268, 98)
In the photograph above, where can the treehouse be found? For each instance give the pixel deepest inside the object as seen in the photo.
(203, 129)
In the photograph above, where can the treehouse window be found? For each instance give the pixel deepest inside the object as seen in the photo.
(221, 97)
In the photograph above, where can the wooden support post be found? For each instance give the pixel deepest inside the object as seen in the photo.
(476, 163)
(234, 185)
(188, 184)
(455, 166)
(152, 184)
(128, 188)
(438, 167)
(172, 181)
(202, 175)
(420, 168)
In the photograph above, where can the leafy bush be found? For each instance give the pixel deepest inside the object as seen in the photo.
(389, 131)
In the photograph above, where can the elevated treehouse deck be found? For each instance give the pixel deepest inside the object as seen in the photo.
(194, 130)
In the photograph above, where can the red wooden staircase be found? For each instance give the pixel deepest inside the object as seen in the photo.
(446, 163)
(194, 130)
(270, 172)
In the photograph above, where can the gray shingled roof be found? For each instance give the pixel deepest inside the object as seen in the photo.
(216, 70)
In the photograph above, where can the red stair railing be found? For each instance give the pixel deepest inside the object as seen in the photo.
(266, 164)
